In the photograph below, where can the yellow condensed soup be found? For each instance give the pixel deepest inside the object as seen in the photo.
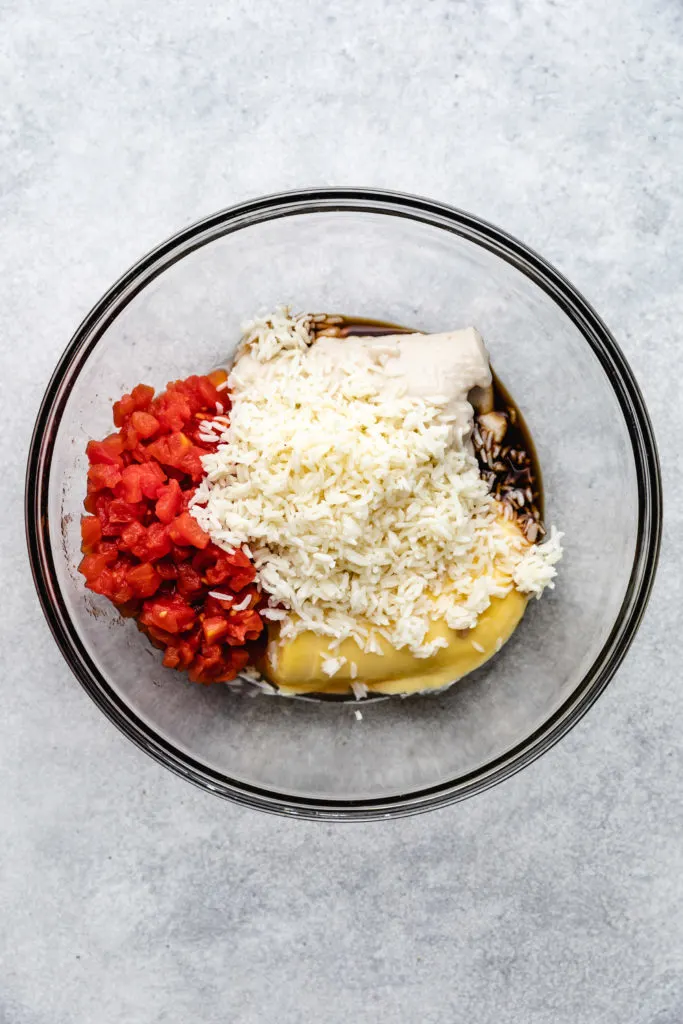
(296, 666)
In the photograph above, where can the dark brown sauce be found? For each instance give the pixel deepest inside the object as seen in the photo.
(517, 439)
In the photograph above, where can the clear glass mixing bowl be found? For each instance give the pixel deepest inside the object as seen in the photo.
(408, 261)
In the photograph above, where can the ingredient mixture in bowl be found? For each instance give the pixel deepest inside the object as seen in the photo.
(349, 508)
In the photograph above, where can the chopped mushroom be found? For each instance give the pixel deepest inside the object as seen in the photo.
(496, 423)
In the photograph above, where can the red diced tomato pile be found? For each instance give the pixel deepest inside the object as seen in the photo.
(143, 549)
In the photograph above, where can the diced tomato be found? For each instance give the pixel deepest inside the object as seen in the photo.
(129, 436)
(129, 487)
(208, 663)
(158, 541)
(151, 477)
(102, 584)
(239, 659)
(122, 590)
(167, 570)
(134, 539)
(168, 613)
(215, 629)
(142, 395)
(216, 606)
(101, 476)
(186, 530)
(160, 451)
(159, 637)
(138, 481)
(190, 584)
(201, 393)
(126, 511)
(172, 410)
(144, 424)
(102, 503)
(91, 532)
(178, 657)
(202, 560)
(213, 666)
(144, 579)
(122, 409)
(180, 555)
(220, 572)
(176, 450)
(112, 583)
(242, 579)
(138, 454)
(174, 657)
(110, 527)
(169, 501)
(182, 650)
(234, 568)
(246, 625)
(146, 543)
(92, 565)
(107, 452)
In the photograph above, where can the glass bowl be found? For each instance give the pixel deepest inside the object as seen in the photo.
(413, 262)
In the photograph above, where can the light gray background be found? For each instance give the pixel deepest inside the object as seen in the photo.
(127, 896)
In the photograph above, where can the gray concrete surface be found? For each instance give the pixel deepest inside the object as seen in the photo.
(127, 896)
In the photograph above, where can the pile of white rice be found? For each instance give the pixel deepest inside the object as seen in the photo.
(360, 517)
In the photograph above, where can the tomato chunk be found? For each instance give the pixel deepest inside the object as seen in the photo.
(142, 395)
(140, 481)
(101, 476)
(167, 569)
(107, 452)
(144, 579)
(172, 410)
(92, 565)
(158, 541)
(186, 530)
(190, 583)
(151, 477)
(134, 539)
(126, 511)
(246, 625)
(178, 451)
(144, 424)
(234, 568)
(169, 501)
(215, 629)
(212, 666)
(171, 614)
(122, 409)
(91, 532)
(180, 653)
(129, 436)
(122, 591)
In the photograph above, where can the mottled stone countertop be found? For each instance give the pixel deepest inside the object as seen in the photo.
(125, 894)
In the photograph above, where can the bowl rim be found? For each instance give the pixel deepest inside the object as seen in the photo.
(487, 236)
